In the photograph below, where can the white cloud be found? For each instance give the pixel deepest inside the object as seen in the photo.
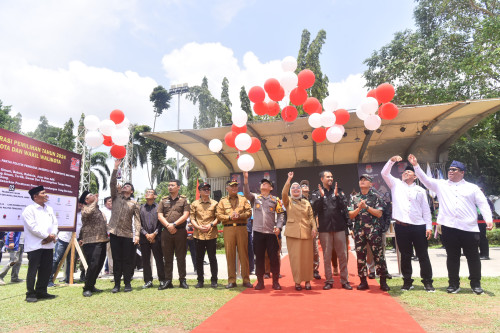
(224, 11)
(349, 92)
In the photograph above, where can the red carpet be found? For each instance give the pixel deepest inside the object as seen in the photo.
(317, 310)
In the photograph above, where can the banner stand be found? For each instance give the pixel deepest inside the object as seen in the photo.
(73, 245)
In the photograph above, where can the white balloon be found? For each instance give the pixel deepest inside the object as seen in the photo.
(91, 122)
(120, 136)
(107, 126)
(334, 134)
(243, 141)
(246, 162)
(328, 119)
(124, 124)
(215, 145)
(340, 127)
(369, 105)
(373, 122)
(94, 139)
(330, 104)
(361, 115)
(289, 64)
(314, 120)
(239, 118)
(289, 81)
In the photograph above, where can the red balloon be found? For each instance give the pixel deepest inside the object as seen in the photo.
(372, 93)
(255, 146)
(118, 152)
(239, 130)
(342, 117)
(319, 134)
(229, 139)
(260, 108)
(312, 105)
(298, 96)
(107, 141)
(273, 109)
(278, 96)
(256, 94)
(272, 86)
(306, 79)
(385, 93)
(388, 111)
(117, 116)
(289, 113)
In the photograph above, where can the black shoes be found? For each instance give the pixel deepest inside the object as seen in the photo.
(429, 287)
(484, 258)
(45, 296)
(407, 286)
(276, 286)
(183, 284)
(128, 288)
(231, 285)
(452, 289)
(389, 276)
(308, 286)
(328, 286)
(260, 285)
(31, 299)
(477, 290)
(247, 285)
(347, 286)
(165, 285)
(115, 290)
(363, 285)
(383, 284)
(214, 285)
(87, 293)
(371, 276)
(147, 285)
(298, 287)
(267, 276)
(199, 285)
(316, 275)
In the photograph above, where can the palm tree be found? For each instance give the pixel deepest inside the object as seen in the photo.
(99, 172)
(167, 170)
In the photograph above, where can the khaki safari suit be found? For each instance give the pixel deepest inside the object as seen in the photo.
(235, 234)
(172, 210)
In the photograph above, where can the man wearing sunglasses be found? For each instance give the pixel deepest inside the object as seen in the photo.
(457, 216)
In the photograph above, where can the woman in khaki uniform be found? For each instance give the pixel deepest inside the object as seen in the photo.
(300, 229)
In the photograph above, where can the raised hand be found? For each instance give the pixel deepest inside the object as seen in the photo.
(290, 175)
(336, 191)
(117, 163)
(412, 159)
(321, 191)
(245, 175)
(396, 158)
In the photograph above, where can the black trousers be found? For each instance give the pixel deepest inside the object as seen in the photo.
(454, 240)
(261, 243)
(190, 243)
(95, 254)
(40, 262)
(174, 244)
(123, 252)
(484, 247)
(210, 246)
(410, 236)
(146, 249)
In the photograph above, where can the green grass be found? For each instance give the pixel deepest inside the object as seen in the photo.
(443, 312)
(141, 310)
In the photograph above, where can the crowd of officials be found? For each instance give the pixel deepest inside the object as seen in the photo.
(325, 214)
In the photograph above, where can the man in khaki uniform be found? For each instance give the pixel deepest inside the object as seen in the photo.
(173, 211)
(233, 211)
(205, 233)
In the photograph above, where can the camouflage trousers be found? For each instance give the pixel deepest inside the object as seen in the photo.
(373, 238)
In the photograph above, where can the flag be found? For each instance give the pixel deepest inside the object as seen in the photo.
(429, 174)
(440, 174)
(197, 190)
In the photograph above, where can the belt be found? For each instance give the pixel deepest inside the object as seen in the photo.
(235, 225)
(403, 224)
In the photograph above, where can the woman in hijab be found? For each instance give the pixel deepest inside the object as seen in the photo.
(299, 231)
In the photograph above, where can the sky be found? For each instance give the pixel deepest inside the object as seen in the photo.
(64, 58)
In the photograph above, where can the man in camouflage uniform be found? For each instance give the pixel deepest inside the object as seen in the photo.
(266, 228)
(366, 210)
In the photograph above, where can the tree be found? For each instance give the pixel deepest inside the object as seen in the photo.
(99, 172)
(66, 138)
(161, 101)
(453, 54)
(245, 103)
(8, 122)
(225, 109)
(203, 96)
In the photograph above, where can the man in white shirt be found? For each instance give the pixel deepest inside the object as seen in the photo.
(108, 266)
(412, 214)
(40, 229)
(457, 216)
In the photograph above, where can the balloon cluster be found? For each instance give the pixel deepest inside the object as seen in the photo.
(112, 132)
(377, 99)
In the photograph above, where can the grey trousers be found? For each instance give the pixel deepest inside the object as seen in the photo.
(14, 263)
(316, 254)
(337, 240)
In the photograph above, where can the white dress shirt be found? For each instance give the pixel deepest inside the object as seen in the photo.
(39, 223)
(107, 213)
(457, 202)
(65, 236)
(409, 202)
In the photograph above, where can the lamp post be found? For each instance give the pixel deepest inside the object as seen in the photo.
(178, 90)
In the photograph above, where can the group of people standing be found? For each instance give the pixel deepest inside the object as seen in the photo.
(160, 228)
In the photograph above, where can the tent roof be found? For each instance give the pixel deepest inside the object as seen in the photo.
(445, 124)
